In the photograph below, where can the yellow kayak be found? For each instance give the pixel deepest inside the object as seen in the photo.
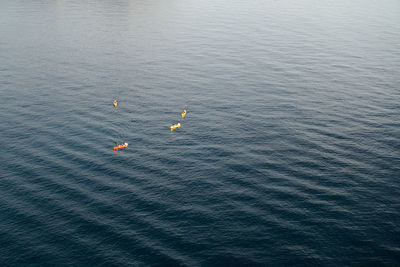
(175, 126)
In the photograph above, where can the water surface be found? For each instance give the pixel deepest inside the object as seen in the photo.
(289, 153)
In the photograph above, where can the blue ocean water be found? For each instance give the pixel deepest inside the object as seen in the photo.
(289, 153)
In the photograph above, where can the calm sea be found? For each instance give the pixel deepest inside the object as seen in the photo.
(289, 153)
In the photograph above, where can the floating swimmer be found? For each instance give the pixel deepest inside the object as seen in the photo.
(174, 126)
(124, 145)
(115, 103)
(183, 113)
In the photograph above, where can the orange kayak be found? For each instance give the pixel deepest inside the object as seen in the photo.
(124, 145)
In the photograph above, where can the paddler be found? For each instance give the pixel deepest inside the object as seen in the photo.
(115, 103)
(183, 113)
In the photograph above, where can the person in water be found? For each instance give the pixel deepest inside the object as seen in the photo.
(115, 103)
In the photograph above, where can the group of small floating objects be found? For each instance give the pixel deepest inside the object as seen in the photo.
(178, 125)
(172, 127)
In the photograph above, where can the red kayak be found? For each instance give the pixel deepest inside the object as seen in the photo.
(124, 145)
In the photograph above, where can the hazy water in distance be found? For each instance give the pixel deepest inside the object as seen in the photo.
(289, 153)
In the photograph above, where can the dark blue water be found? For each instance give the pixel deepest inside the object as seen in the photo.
(289, 153)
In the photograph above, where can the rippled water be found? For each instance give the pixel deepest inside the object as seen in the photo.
(289, 154)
